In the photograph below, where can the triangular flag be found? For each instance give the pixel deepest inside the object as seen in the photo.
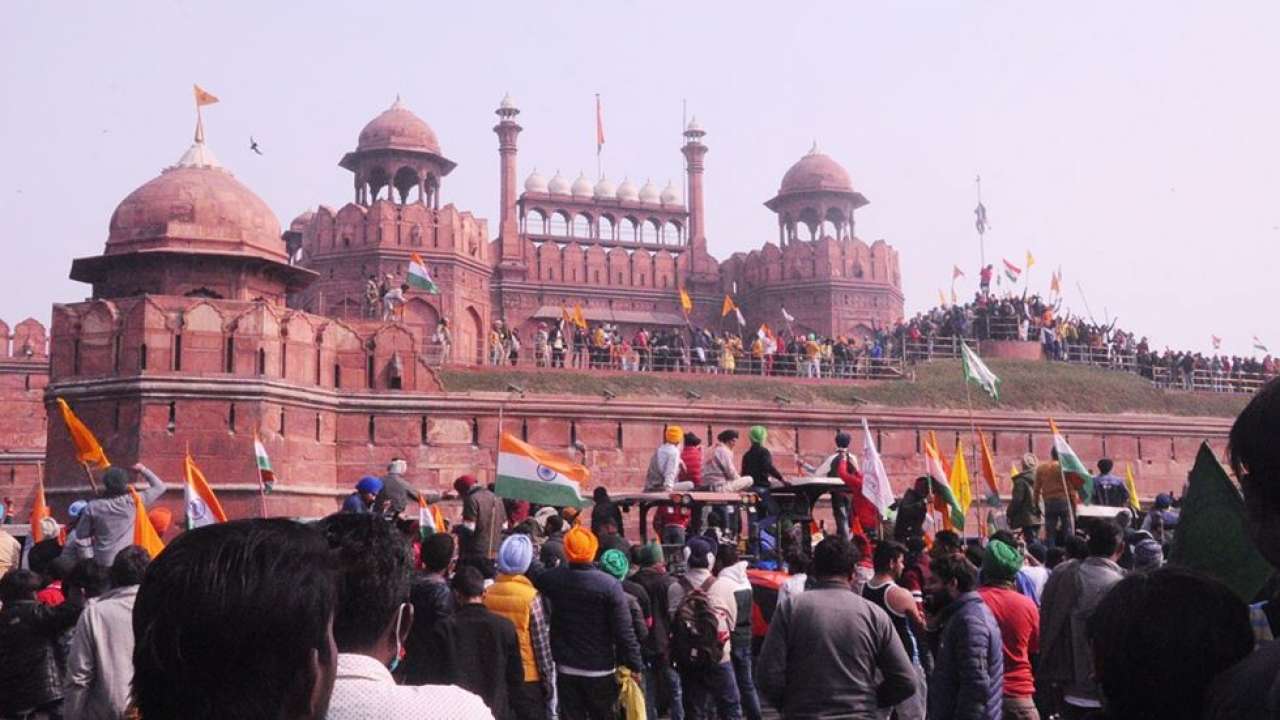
(203, 97)
(39, 511)
(988, 464)
(1132, 487)
(202, 505)
(1031, 260)
(727, 306)
(144, 533)
(686, 302)
(956, 272)
(88, 450)
(1212, 536)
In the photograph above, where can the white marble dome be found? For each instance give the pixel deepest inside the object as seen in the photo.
(582, 187)
(627, 191)
(558, 185)
(535, 183)
(605, 190)
(649, 193)
(670, 196)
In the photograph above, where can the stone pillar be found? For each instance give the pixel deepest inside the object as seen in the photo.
(694, 152)
(511, 260)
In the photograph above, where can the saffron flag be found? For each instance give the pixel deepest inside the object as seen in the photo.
(960, 482)
(727, 306)
(144, 533)
(203, 507)
(954, 301)
(977, 372)
(529, 473)
(1071, 463)
(1132, 487)
(787, 316)
(1217, 341)
(565, 319)
(764, 331)
(203, 97)
(87, 448)
(980, 218)
(1055, 283)
(988, 464)
(418, 277)
(578, 318)
(266, 475)
(599, 125)
(942, 299)
(1031, 260)
(430, 521)
(1212, 536)
(39, 511)
(956, 272)
(875, 481)
(686, 302)
(1011, 271)
(944, 498)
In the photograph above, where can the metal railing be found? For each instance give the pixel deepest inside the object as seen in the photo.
(1206, 380)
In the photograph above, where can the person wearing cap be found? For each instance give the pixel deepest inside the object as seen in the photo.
(105, 526)
(591, 631)
(482, 518)
(513, 597)
(719, 686)
(1019, 621)
(362, 500)
(664, 467)
(661, 681)
(1024, 512)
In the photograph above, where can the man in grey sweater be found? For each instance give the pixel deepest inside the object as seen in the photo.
(826, 648)
(105, 526)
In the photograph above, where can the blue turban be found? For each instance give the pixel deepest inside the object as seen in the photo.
(369, 484)
(515, 554)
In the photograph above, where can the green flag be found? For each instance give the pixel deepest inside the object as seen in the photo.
(977, 372)
(1211, 535)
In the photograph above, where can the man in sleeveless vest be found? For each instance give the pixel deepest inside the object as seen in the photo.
(512, 596)
(897, 601)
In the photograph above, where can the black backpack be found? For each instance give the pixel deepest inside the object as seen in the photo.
(695, 631)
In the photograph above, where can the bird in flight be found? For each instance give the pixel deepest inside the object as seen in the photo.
(253, 145)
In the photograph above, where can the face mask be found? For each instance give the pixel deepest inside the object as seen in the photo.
(395, 659)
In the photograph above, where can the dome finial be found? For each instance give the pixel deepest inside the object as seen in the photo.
(397, 103)
(814, 149)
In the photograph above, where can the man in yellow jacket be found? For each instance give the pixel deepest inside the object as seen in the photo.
(512, 596)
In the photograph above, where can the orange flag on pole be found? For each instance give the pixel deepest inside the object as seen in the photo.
(88, 450)
(686, 302)
(203, 97)
(578, 318)
(988, 464)
(39, 511)
(727, 307)
(144, 533)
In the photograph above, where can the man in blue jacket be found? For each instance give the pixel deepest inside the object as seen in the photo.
(968, 675)
(591, 631)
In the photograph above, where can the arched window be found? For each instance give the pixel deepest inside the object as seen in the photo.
(672, 233)
(581, 226)
(535, 223)
(559, 224)
(606, 228)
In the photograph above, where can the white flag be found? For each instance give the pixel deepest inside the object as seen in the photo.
(875, 481)
(787, 316)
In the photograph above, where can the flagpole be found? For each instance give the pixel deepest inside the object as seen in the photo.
(92, 483)
(982, 245)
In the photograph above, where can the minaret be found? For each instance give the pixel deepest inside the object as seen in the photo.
(694, 151)
(512, 259)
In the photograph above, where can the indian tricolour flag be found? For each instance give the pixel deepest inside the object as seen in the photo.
(1070, 462)
(203, 507)
(1011, 271)
(419, 278)
(944, 498)
(266, 475)
(430, 521)
(529, 473)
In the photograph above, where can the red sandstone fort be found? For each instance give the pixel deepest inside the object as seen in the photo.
(207, 325)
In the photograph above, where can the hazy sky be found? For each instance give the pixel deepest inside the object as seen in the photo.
(1135, 144)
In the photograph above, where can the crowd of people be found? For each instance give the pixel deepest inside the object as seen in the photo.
(1071, 338)
(520, 611)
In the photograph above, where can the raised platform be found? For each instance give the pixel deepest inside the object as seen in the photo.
(1011, 349)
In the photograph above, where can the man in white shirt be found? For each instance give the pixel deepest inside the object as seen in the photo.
(370, 624)
(719, 472)
(664, 467)
(100, 662)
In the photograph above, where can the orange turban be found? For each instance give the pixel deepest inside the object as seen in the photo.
(161, 518)
(580, 545)
(674, 434)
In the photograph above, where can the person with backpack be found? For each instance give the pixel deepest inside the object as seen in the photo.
(704, 615)
(661, 681)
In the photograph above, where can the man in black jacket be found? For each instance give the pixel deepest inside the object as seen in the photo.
(30, 674)
(757, 464)
(591, 632)
(661, 681)
(432, 602)
(476, 648)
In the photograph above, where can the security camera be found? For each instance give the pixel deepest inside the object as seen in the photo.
(693, 394)
(513, 388)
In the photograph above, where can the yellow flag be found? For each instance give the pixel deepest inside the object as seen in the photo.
(144, 533)
(685, 301)
(1031, 260)
(578, 318)
(727, 307)
(942, 299)
(88, 450)
(960, 480)
(1132, 487)
(203, 97)
(1013, 470)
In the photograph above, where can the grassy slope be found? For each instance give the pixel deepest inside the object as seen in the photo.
(1025, 386)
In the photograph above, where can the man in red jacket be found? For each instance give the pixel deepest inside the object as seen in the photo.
(844, 466)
